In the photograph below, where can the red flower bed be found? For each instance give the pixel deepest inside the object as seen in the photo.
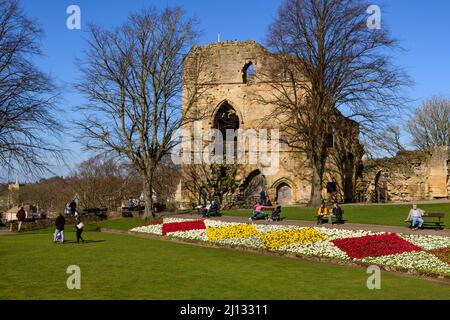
(183, 226)
(374, 246)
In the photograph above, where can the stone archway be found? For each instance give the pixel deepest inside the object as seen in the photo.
(253, 185)
(381, 187)
(284, 194)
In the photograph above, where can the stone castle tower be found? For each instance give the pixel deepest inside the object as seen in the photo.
(231, 86)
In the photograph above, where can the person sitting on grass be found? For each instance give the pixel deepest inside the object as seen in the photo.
(258, 211)
(415, 215)
(322, 212)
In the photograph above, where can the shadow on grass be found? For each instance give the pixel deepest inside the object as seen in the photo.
(85, 241)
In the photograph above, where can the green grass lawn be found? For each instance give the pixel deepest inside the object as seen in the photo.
(390, 215)
(126, 267)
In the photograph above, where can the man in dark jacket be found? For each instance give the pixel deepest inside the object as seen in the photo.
(21, 216)
(336, 212)
(59, 223)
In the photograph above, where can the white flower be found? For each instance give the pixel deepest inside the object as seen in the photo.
(218, 224)
(333, 234)
(427, 242)
(318, 249)
(415, 260)
(173, 220)
(266, 228)
(199, 234)
(249, 242)
(152, 229)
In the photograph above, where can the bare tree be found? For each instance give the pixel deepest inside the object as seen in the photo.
(27, 99)
(329, 64)
(133, 79)
(215, 180)
(102, 181)
(166, 179)
(430, 125)
(385, 141)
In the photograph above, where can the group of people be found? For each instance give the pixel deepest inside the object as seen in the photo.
(59, 231)
(71, 208)
(324, 212)
(212, 209)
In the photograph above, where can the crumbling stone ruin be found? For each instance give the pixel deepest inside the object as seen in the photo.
(231, 79)
(407, 177)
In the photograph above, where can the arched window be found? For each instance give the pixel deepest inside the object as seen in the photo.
(225, 119)
(248, 73)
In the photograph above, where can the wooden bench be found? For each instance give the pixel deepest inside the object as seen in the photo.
(436, 223)
(333, 219)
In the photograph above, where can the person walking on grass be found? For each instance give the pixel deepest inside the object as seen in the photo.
(59, 223)
(415, 215)
(79, 229)
(21, 215)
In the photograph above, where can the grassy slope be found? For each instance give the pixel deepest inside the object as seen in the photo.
(366, 214)
(124, 267)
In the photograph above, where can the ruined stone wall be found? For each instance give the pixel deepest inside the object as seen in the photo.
(222, 68)
(410, 176)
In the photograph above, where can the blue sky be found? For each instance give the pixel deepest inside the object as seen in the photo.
(422, 27)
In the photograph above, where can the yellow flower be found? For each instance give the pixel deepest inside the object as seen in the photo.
(278, 239)
(237, 231)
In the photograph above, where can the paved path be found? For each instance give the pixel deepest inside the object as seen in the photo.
(348, 226)
(5, 232)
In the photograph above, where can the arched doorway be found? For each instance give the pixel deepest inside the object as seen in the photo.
(284, 194)
(381, 187)
(253, 185)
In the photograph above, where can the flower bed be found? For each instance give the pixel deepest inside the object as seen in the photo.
(151, 229)
(412, 253)
(427, 242)
(236, 231)
(412, 261)
(443, 254)
(182, 226)
(374, 246)
(278, 239)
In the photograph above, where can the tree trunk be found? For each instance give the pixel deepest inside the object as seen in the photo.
(148, 196)
(316, 186)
